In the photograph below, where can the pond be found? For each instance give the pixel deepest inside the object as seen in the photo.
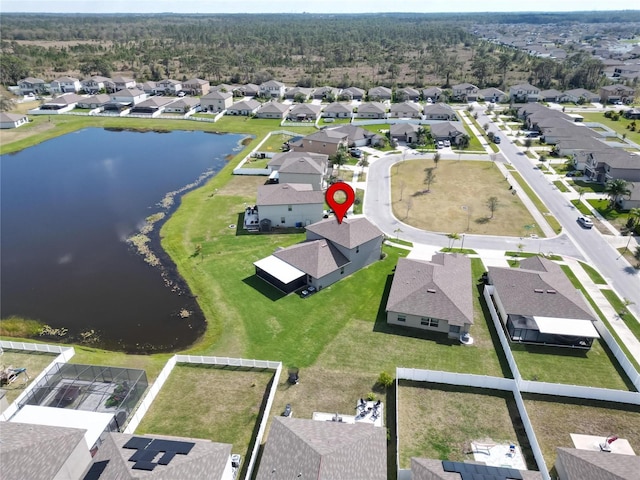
(69, 209)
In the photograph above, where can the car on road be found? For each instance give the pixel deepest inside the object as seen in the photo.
(496, 139)
(585, 222)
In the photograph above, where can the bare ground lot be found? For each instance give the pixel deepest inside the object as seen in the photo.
(440, 421)
(219, 404)
(32, 361)
(466, 184)
(553, 421)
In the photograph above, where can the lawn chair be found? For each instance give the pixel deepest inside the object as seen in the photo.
(10, 375)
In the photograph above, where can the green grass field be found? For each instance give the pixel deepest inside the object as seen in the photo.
(619, 126)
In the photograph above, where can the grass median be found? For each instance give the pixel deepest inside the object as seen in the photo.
(551, 220)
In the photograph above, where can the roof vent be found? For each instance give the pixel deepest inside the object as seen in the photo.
(538, 290)
(431, 290)
(551, 291)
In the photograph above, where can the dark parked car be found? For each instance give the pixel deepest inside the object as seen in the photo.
(356, 152)
(496, 139)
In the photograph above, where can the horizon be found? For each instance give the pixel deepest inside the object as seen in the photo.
(329, 7)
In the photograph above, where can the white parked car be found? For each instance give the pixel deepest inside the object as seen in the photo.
(447, 143)
(585, 222)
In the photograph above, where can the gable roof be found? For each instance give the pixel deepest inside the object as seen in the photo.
(353, 91)
(431, 469)
(217, 95)
(383, 92)
(538, 288)
(272, 84)
(593, 465)
(279, 159)
(303, 164)
(305, 109)
(327, 136)
(66, 80)
(337, 107)
(323, 451)
(273, 107)
(156, 101)
(288, 194)
(36, 452)
(128, 92)
(491, 92)
(404, 106)
(372, 107)
(205, 461)
(350, 233)
(11, 117)
(403, 128)
(31, 80)
(465, 86)
(196, 81)
(99, 98)
(617, 158)
(353, 132)
(439, 109)
(316, 257)
(431, 92)
(441, 288)
(250, 105)
(447, 129)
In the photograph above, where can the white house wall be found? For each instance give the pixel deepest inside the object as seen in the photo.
(306, 214)
(76, 465)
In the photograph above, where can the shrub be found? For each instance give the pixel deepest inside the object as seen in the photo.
(385, 380)
(371, 396)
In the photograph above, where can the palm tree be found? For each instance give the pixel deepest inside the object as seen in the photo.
(636, 255)
(463, 141)
(452, 238)
(616, 188)
(634, 216)
(341, 157)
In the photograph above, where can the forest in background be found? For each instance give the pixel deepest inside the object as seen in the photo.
(305, 50)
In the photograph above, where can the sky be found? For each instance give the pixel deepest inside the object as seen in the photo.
(300, 6)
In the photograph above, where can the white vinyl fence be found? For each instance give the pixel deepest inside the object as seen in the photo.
(64, 354)
(221, 361)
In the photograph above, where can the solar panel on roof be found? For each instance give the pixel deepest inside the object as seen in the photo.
(137, 443)
(172, 446)
(144, 466)
(471, 471)
(448, 466)
(166, 458)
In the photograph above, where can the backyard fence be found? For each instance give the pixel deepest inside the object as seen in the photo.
(259, 171)
(64, 354)
(145, 404)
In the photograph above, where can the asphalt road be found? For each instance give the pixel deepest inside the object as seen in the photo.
(582, 244)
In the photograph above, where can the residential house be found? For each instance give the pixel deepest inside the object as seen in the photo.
(580, 95)
(244, 107)
(128, 96)
(338, 110)
(405, 110)
(452, 131)
(169, 86)
(290, 204)
(465, 92)
(404, 132)
(300, 93)
(578, 464)
(435, 295)
(632, 200)
(152, 106)
(196, 86)
(150, 88)
(407, 94)
(626, 72)
(95, 84)
(304, 112)
(379, 94)
(272, 89)
(30, 85)
(223, 87)
(249, 90)
(617, 93)
(66, 85)
(576, 146)
(310, 449)
(216, 101)
(95, 101)
(325, 141)
(273, 109)
(537, 304)
(431, 94)
(331, 251)
(12, 120)
(550, 95)
(183, 105)
(326, 93)
(431, 469)
(358, 136)
(62, 103)
(524, 92)
(493, 95)
(352, 93)
(612, 164)
(301, 167)
(439, 111)
(375, 110)
(120, 83)
(124, 456)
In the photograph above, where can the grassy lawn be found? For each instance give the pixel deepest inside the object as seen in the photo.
(582, 208)
(553, 223)
(561, 186)
(555, 418)
(492, 145)
(530, 154)
(223, 405)
(440, 421)
(358, 202)
(593, 274)
(34, 362)
(457, 184)
(529, 254)
(616, 217)
(589, 187)
(626, 316)
(474, 143)
(274, 143)
(619, 126)
(628, 254)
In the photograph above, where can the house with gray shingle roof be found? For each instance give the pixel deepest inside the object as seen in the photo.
(325, 141)
(492, 94)
(612, 164)
(94, 101)
(41, 452)
(431, 469)
(331, 251)
(405, 110)
(580, 95)
(12, 120)
(617, 93)
(272, 89)
(372, 110)
(94, 84)
(244, 107)
(357, 136)
(290, 204)
(435, 295)
(377, 94)
(465, 92)
(311, 449)
(302, 92)
(550, 95)
(407, 93)
(31, 85)
(183, 105)
(326, 92)
(196, 86)
(337, 110)
(431, 94)
(352, 93)
(128, 96)
(577, 464)
(304, 112)
(66, 85)
(404, 132)
(249, 90)
(439, 111)
(273, 109)
(153, 106)
(538, 304)
(216, 101)
(524, 92)
(452, 131)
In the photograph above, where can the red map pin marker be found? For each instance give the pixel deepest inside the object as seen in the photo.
(340, 208)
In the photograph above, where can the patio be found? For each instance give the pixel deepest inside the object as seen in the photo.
(499, 455)
(367, 412)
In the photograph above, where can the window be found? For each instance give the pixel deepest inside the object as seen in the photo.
(454, 328)
(358, 249)
(282, 220)
(402, 318)
(429, 322)
(341, 270)
(289, 207)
